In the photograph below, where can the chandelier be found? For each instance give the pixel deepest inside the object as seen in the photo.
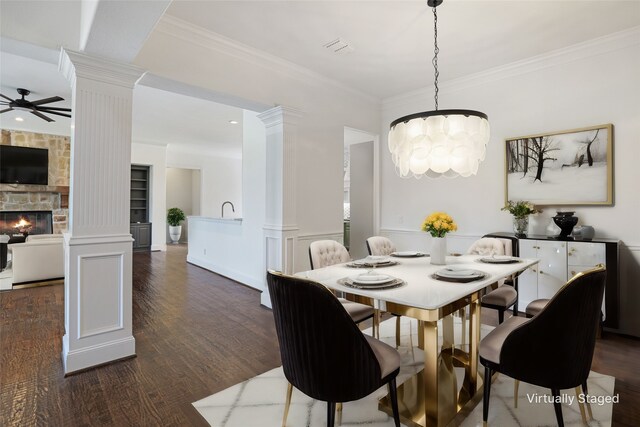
(440, 142)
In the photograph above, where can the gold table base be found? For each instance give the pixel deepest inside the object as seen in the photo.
(431, 397)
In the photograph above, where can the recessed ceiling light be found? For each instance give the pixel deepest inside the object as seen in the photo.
(19, 119)
(233, 122)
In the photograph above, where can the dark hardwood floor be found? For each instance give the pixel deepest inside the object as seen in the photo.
(196, 333)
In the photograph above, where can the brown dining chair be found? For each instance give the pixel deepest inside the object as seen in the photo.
(324, 253)
(554, 349)
(323, 352)
(380, 246)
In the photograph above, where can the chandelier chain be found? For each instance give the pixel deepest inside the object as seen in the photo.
(436, 50)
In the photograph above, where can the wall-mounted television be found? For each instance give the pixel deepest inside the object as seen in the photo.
(24, 165)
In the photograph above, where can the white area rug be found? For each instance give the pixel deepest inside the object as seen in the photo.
(259, 402)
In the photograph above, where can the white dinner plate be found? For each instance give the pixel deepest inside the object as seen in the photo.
(376, 259)
(407, 254)
(372, 279)
(458, 273)
(499, 259)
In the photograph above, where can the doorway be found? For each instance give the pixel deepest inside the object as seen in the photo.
(183, 191)
(360, 190)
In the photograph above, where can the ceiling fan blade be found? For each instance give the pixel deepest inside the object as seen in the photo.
(54, 112)
(5, 110)
(47, 100)
(6, 97)
(42, 116)
(52, 109)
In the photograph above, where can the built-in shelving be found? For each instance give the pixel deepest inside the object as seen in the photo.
(139, 209)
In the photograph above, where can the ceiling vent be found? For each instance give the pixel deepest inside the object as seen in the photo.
(339, 46)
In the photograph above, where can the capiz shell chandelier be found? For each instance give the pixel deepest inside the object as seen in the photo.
(441, 142)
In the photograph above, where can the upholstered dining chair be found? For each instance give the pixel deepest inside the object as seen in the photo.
(503, 297)
(554, 349)
(379, 246)
(324, 253)
(323, 352)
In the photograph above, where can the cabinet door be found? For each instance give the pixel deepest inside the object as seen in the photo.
(134, 234)
(586, 253)
(144, 236)
(552, 269)
(528, 280)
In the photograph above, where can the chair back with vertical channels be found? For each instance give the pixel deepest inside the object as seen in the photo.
(555, 348)
(378, 245)
(324, 354)
(323, 253)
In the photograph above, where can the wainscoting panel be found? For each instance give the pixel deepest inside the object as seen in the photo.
(101, 279)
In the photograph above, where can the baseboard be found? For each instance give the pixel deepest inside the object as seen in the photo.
(236, 275)
(89, 357)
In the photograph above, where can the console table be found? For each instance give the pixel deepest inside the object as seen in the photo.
(560, 260)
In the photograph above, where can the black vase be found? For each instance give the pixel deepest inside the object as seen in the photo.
(566, 221)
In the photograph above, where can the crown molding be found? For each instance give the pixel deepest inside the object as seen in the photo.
(75, 64)
(186, 31)
(279, 115)
(576, 52)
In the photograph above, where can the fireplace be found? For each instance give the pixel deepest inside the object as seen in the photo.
(26, 222)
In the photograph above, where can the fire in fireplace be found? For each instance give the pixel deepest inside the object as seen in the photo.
(23, 226)
(26, 222)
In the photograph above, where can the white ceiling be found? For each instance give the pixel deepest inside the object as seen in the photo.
(393, 40)
(392, 43)
(159, 117)
(171, 118)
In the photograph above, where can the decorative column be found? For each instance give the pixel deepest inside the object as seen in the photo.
(98, 242)
(281, 228)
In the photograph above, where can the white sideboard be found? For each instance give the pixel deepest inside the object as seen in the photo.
(560, 260)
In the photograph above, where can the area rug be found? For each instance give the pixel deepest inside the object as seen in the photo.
(259, 401)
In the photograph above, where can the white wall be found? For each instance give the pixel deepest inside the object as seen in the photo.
(235, 249)
(154, 156)
(180, 195)
(589, 85)
(221, 179)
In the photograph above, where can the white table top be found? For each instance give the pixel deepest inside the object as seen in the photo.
(421, 290)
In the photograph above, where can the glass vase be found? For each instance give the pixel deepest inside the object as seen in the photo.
(521, 225)
(438, 250)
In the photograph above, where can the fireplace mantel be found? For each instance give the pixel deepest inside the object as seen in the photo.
(63, 190)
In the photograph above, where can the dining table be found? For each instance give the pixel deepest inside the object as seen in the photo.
(433, 396)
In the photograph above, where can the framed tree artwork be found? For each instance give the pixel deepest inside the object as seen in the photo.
(572, 167)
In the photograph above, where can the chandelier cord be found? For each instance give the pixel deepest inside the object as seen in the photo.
(436, 50)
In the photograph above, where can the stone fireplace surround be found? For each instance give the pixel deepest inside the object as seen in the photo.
(53, 197)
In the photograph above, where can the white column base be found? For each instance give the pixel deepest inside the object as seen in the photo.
(98, 288)
(97, 354)
(280, 245)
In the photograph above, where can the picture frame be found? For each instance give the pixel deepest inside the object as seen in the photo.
(570, 167)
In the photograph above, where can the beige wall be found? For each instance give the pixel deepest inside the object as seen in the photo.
(59, 170)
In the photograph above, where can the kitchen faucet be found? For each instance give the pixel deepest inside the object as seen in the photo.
(222, 209)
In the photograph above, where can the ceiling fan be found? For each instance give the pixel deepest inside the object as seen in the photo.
(34, 107)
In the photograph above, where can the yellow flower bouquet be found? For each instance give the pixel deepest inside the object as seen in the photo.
(438, 224)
